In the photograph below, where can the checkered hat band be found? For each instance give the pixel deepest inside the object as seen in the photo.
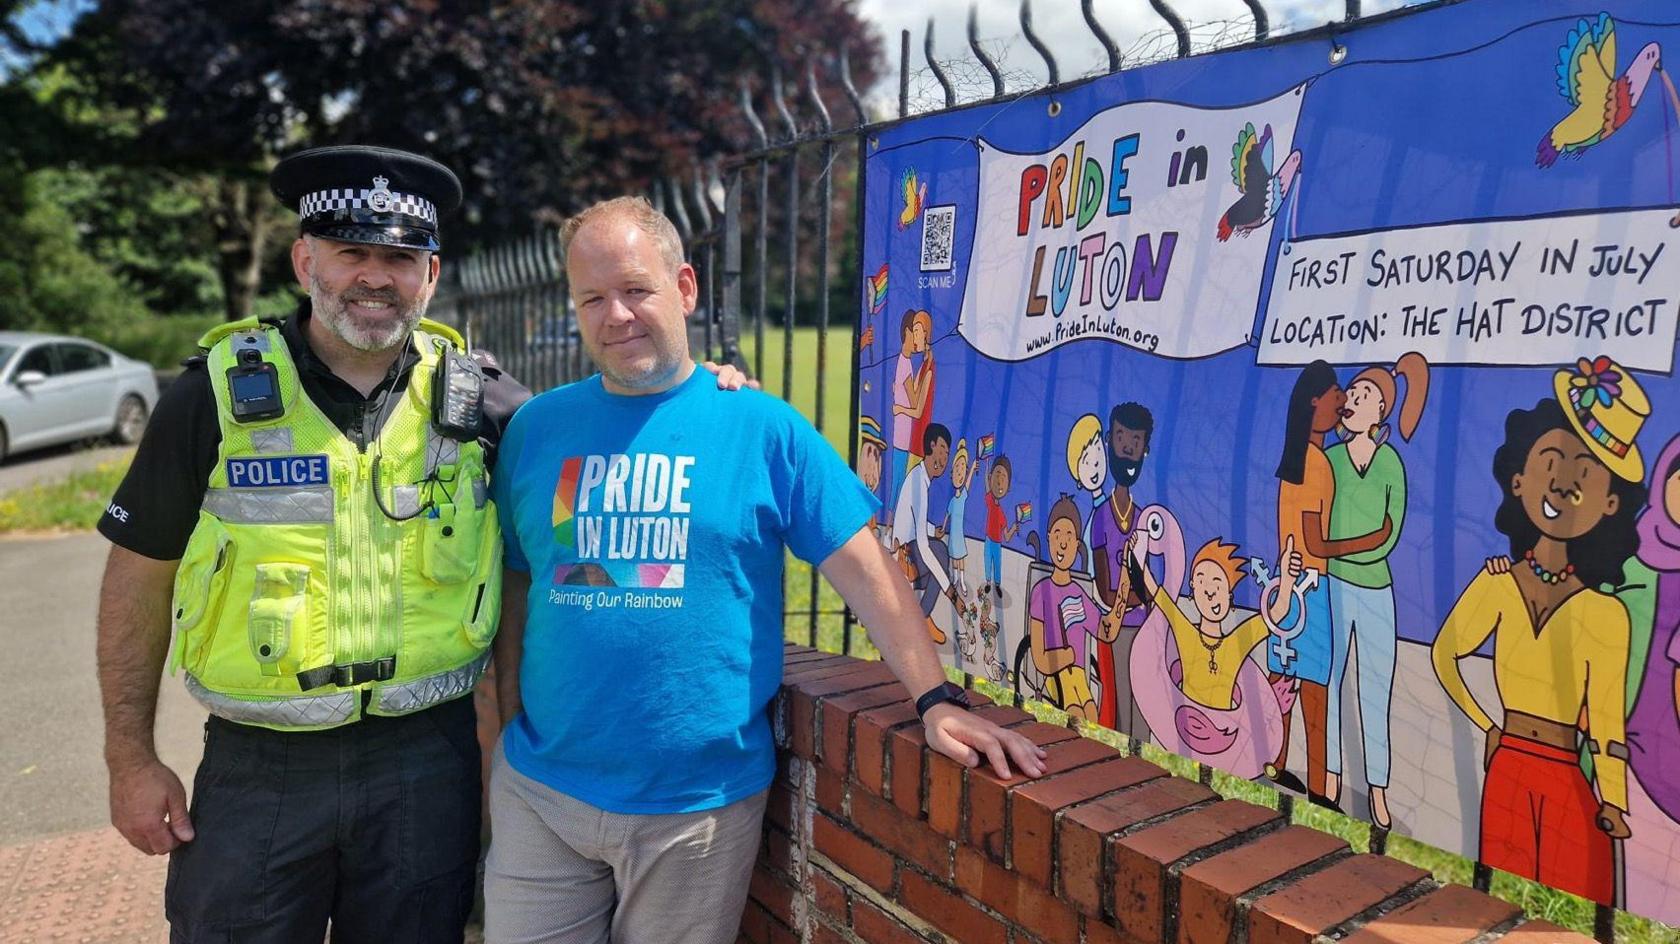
(323, 201)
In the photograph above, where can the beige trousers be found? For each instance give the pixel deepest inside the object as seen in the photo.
(563, 872)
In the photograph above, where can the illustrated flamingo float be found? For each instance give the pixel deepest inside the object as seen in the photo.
(1239, 740)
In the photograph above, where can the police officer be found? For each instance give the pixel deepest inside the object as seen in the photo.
(305, 535)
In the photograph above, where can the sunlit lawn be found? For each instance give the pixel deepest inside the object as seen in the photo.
(71, 504)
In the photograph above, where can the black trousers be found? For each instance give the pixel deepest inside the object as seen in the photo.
(373, 826)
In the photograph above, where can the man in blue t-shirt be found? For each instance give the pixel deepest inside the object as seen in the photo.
(646, 516)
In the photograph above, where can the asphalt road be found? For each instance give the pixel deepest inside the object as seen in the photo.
(52, 772)
(52, 465)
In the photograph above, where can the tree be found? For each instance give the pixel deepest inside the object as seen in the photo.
(539, 105)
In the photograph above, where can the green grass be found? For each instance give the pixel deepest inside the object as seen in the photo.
(1538, 900)
(73, 504)
(837, 426)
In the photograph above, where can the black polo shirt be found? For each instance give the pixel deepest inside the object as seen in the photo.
(155, 508)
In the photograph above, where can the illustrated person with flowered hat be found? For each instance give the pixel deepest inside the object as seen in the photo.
(1570, 473)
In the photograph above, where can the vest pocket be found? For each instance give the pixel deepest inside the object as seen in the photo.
(449, 540)
(198, 591)
(279, 617)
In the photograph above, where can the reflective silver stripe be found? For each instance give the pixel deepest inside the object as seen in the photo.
(405, 697)
(278, 440)
(312, 505)
(302, 711)
(440, 451)
(405, 501)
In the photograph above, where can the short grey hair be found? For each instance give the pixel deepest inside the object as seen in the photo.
(638, 211)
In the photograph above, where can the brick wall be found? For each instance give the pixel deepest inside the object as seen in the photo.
(871, 837)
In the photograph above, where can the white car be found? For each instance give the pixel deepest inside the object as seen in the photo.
(56, 389)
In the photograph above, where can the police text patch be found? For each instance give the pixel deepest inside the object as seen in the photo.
(268, 471)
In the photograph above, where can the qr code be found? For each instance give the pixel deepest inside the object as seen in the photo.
(938, 231)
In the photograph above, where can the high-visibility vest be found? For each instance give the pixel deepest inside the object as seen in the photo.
(299, 603)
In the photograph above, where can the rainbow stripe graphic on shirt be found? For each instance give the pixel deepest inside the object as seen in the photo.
(565, 498)
(622, 521)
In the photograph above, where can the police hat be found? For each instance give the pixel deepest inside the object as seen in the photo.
(361, 194)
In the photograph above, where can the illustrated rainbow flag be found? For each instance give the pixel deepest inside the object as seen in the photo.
(877, 291)
(1023, 511)
(988, 445)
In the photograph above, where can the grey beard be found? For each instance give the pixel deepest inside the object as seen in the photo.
(331, 309)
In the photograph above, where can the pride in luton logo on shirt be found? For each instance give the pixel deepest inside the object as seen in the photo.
(622, 520)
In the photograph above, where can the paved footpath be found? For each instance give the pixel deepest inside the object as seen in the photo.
(65, 874)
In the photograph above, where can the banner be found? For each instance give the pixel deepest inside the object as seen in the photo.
(1308, 409)
(1088, 240)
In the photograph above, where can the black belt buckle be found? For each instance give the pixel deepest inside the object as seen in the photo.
(349, 676)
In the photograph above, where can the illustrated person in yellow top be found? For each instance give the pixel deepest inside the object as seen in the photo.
(1570, 474)
(1210, 651)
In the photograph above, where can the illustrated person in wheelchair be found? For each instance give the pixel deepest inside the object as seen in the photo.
(921, 546)
(1062, 618)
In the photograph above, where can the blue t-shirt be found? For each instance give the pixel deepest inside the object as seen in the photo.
(654, 528)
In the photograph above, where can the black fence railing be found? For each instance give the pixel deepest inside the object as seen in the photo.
(746, 220)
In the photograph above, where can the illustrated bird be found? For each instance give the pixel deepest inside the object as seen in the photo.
(1586, 77)
(1262, 189)
(915, 197)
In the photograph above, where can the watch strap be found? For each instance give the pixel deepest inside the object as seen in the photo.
(939, 695)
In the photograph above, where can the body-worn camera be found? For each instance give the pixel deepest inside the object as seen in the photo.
(457, 396)
(254, 385)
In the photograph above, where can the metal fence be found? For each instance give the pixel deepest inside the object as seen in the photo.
(744, 217)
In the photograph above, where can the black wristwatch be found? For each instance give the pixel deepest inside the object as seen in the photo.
(946, 692)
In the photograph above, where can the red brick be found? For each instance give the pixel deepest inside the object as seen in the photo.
(778, 849)
(944, 794)
(774, 894)
(793, 654)
(948, 912)
(819, 668)
(1096, 932)
(1142, 860)
(1082, 833)
(1034, 805)
(909, 838)
(1543, 932)
(828, 895)
(1208, 891)
(869, 738)
(877, 927)
(755, 923)
(850, 852)
(946, 779)
(988, 796)
(781, 806)
(781, 934)
(1321, 901)
(1451, 914)
(1017, 899)
(823, 934)
(804, 694)
(834, 728)
(831, 791)
(1004, 716)
(908, 747)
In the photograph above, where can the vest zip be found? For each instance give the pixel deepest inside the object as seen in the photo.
(366, 571)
